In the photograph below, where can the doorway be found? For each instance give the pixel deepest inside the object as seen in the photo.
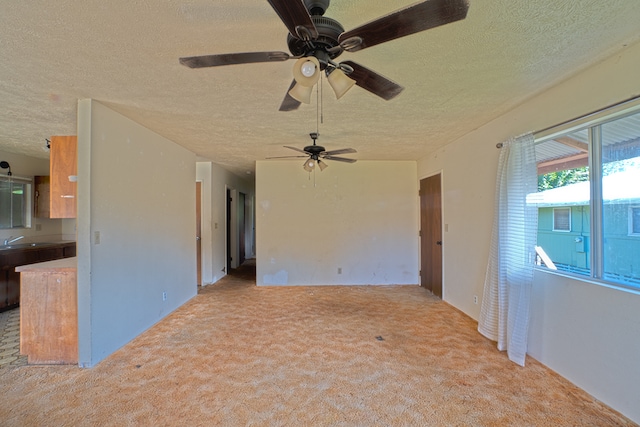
(431, 234)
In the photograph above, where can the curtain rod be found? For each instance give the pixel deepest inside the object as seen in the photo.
(584, 117)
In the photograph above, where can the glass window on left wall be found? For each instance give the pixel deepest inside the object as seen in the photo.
(15, 202)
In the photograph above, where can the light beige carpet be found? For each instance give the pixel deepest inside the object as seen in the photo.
(239, 355)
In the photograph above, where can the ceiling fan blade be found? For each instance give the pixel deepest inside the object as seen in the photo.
(339, 159)
(403, 22)
(289, 103)
(233, 58)
(286, 157)
(341, 151)
(374, 82)
(295, 17)
(296, 149)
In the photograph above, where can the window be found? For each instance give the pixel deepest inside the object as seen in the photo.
(561, 219)
(588, 188)
(15, 202)
(634, 221)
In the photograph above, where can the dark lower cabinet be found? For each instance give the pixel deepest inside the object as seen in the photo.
(11, 258)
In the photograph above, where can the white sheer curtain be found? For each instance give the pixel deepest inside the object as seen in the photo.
(504, 315)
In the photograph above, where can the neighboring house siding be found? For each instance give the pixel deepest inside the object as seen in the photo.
(621, 249)
(561, 246)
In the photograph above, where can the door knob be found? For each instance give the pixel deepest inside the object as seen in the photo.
(439, 242)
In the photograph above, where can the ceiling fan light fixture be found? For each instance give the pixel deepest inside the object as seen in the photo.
(308, 165)
(322, 165)
(306, 71)
(301, 93)
(339, 82)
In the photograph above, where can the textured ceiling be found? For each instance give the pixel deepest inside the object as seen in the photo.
(125, 53)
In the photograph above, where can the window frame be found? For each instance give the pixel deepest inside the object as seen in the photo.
(593, 123)
(561, 230)
(632, 222)
(27, 199)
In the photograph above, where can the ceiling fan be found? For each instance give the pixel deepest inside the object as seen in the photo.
(316, 41)
(316, 153)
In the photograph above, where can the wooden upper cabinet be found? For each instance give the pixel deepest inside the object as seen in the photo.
(63, 164)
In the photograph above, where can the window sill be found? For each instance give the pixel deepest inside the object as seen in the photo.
(599, 282)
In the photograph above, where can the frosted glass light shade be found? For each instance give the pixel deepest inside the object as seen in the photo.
(306, 71)
(340, 83)
(322, 165)
(308, 165)
(301, 93)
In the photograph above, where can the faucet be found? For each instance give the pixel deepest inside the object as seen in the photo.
(11, 239)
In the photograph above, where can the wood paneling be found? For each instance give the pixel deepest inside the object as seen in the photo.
(49, 315)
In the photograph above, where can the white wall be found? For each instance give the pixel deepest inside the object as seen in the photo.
(137, 189)
(361, 217)
(585, 332)
(215, 182)
(42, 229)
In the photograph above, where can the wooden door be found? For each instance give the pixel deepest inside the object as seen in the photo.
(199, 233)
(228, 233)
(431, 234)
(241, 229)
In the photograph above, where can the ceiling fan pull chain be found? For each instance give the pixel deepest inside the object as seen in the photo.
(321, 102)
(318, 94)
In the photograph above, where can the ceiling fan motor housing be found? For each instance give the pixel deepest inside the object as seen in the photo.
(316, 7)
(328, 32)
(314, 150)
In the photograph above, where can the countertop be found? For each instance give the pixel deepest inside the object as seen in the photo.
(35, 245)
(65, 264)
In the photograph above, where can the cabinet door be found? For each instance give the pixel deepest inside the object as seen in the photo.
(49, 254)
(42, 196)
(63, 164)
(69, 250)
(3, 288)
(9, 261)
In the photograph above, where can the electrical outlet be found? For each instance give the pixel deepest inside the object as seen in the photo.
(164, 296)
(475, 299)
(96, 237)
(339, 270)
